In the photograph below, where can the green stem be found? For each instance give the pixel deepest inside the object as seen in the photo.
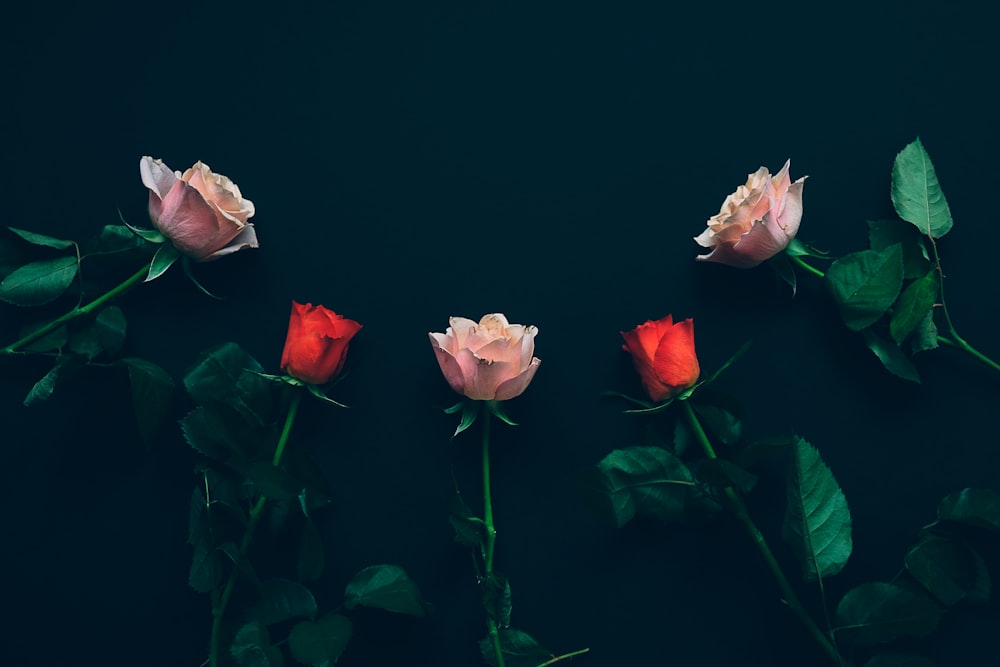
(79, 311)
(491, 532)
(808, 267)
(740, 509)
(564, 656)
(960, 343)
(218, 612)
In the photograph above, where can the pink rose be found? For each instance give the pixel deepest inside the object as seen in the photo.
(202, 214)
(487, 361)
(756, 222)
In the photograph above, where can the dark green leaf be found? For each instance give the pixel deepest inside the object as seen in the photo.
(385, 587)
(164, 258)
(186, 265)
(314, 488)
(312, 555)
(979, 508)
(639, 480)
(320, 644)
(519, 649)
(884, 233)
(239, 560)
(495, 591)
(784, 268)
(879, 612)
(469, 529)
(252, 647)
(925, 336)
(721, 473)
(721, 415)
(152, 235)
(913, 306)
(470, 410)
(916, 193)
(797, 248)
(756, 452)
(893, 358)
(217, 431)
(152, 395)
(272, 482)
(65, 366)
(40, 282)
(683, 437)
(951, 570)
(899, 660)
(865, 284)
(113, 239)
(40, 239)
(497, 410)
(817, 522)
(52, 341)
(105, 334)
(281, 600)
(205, 574)
(220, 377)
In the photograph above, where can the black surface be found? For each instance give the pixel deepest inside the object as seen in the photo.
(551, 162)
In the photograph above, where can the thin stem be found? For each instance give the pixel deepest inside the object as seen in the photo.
(739, 508)
(808, 267)
(79, 311)
(564, 656)
(961, 344)
(218, 612)
(491, 533)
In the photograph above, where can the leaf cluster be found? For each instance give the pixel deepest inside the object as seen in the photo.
(234, 427)
(890, 292)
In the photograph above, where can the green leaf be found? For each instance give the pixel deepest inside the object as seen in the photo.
(470, 530)
(884, 233)
(220, 377)
(913, 305)
(519, 649)
(899, 660)
(312, 555)
(495, 590)
(385, 587)
(105, 334)
(151, 235)
(38, 283)
(320, 644)
(817, 522)
(113, 239)
(497, 410)
(152, 395)
(53, 341)
(916, 193)
(186, 265)
(65, 366)
(164, 258)
(784, 268)
(42, 240)
(879, 612)
(721, 474)
(205, 574)
(639, 480)
(979, 508)
(314, 488)
(951, 570)
(272, 482)
(721, 415)
(893, 358)
(281, 600)
(865, 284)
(470, 410)
(925, 336)
(252, 647)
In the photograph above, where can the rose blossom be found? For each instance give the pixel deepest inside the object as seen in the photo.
(487, 361)
(316, 345)
(663, 355)
(202, 213)
(756, 222)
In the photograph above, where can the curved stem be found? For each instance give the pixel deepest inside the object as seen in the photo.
(79, 311)
(491, 532)
(961, 344)
(808, 267)
(218, 612)
(739, 508)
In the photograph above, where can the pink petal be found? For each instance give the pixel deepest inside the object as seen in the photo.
(515, 386)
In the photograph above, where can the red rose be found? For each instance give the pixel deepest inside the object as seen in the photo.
(663, 354)
(316, 345)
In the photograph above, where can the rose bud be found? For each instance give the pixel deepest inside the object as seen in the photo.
(203, 214)
(487, 361)
(663, 354)
(756, 222)
(316, 345)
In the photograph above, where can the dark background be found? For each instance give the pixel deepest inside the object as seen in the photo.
(547, 160)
